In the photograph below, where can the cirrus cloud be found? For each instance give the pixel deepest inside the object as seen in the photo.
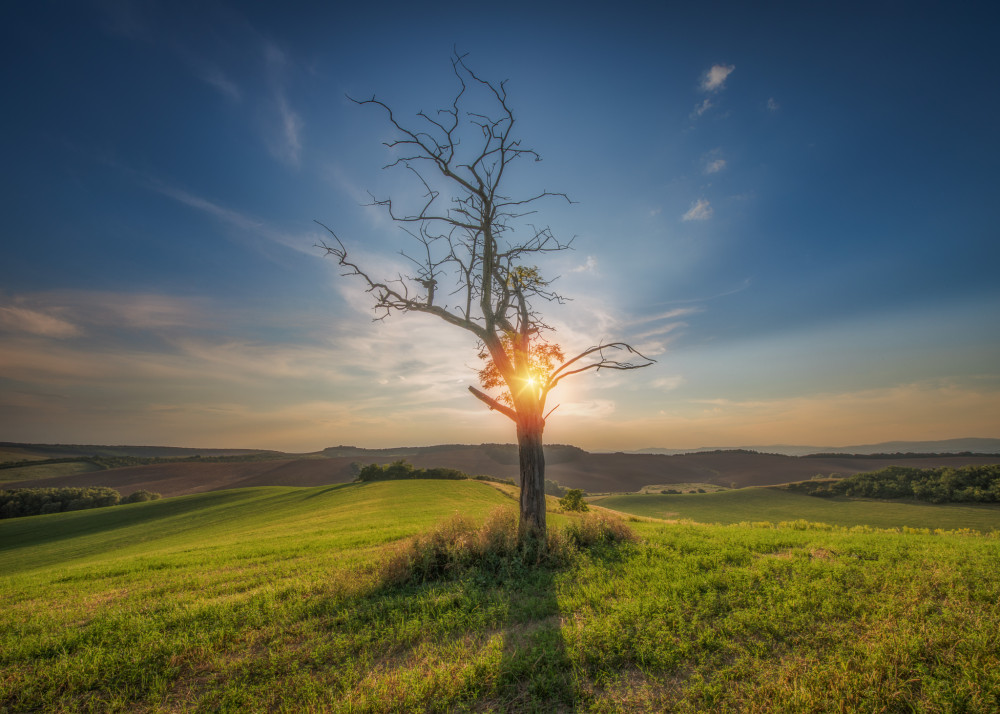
(701, 210)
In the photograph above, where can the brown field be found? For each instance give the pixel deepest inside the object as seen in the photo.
(570, 467)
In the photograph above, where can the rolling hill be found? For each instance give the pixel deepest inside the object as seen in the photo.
(567, 465)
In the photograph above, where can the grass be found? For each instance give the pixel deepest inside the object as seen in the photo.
(766, 504)
(43, 471)
(271, 599)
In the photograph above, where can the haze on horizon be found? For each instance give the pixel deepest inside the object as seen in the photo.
(792, 209)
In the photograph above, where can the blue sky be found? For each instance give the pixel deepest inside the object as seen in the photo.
(794, 209)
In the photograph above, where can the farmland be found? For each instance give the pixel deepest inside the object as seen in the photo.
(772, 504)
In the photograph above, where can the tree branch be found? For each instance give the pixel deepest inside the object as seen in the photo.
(603, 362)
(493, 403)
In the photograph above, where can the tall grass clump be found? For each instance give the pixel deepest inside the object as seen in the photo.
(597, 529)
(457, 545)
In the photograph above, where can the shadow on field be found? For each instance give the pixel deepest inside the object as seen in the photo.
(478, 638)
(463, 616)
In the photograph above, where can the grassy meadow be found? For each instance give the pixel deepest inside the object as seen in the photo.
(776, 505)
(271, 599)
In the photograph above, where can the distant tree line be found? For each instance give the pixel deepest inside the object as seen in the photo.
(896, 455)
(966, 484)
(18, 502)
(117, 462)
(403, 470)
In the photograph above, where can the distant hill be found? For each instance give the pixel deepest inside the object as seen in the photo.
(570, 466)
(944, 446)
(12, 451)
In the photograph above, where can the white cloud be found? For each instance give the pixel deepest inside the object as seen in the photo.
(714, 79)
(714, 167)
(700, 210)
(589, 266)
(772, 106)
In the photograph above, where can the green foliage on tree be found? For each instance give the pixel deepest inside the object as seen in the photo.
(573, 501)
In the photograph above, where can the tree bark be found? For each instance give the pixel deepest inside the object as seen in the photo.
(531, 529)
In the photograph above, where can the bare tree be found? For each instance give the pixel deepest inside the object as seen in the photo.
(473, 268)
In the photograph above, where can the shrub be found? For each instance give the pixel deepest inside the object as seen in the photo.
(553, 489)
(457, 544)
(573, 501)
(141, 496)
(598, 529)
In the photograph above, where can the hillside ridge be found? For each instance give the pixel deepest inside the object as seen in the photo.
(569, 466)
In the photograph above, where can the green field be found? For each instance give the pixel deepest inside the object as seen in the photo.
(43, 471)
(766, 504)
(270, 599)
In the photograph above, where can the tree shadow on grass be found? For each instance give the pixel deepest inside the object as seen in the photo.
(480, 638)
(484, 634)
(473, 640)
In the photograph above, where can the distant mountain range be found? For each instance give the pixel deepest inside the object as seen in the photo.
(944, 446)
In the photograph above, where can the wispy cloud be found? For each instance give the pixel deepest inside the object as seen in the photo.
(588, 266)
(218, 79)
(714, 164)
(34, 322)
(73, 313)
(700, 210)
(234, 218)
(906, 411)
(668, 383)
(772, 106)
(701, 108)
(671, 314)
(288, 145)
(714, 79)
(248, 225)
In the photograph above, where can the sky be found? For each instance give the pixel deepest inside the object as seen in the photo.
(792, 207)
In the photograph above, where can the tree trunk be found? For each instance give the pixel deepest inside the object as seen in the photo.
(531, 529)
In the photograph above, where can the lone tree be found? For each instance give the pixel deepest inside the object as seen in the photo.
(472, 267)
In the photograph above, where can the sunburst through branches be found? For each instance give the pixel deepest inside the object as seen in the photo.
(542, 359)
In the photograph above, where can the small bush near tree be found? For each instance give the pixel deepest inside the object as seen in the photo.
(573, 501)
